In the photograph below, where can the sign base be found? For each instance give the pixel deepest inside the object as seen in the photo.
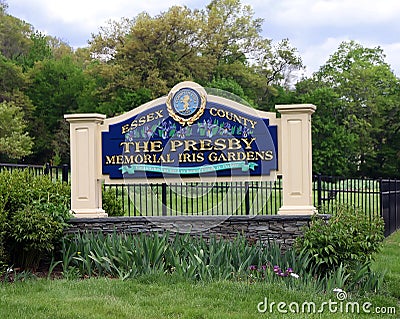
(89, 213)
(297, 210)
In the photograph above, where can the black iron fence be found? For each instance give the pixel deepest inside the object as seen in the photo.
(390, 204)
(364, 193)
(376, 197)
(220, 198)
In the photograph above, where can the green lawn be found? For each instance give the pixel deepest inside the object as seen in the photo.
(389, 261)
(162, 296)
(158, 298)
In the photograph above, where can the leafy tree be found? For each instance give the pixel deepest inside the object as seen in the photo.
(39, 50)
(54, 89)
(14, 35)
(278, 65)
(229, 85)
(15, 111)
(14, 140)
(230, 31)
(222, 41)
(335, 148)
(357, 97)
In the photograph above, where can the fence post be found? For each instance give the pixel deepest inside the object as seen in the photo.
(164, 198)
(247, 198)
(319, 190)
(64, 173)
(47, 169)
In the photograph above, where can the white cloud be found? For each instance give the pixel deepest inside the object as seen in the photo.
(315, 56)
(338, 13)
(392, 52)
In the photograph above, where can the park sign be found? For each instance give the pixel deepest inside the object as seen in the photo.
(190, 135)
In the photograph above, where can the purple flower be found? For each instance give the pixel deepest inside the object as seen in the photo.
(289, 270)
(263, 267)
(277, 269)
(253, 267)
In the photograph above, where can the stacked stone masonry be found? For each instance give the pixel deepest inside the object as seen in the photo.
(280, 229)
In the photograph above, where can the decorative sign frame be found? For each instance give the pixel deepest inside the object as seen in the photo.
(191, 136)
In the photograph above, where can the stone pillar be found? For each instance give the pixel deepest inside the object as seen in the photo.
(296, 159)
(86, 200)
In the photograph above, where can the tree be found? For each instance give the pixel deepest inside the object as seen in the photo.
(222, 41)
(335, 148)
(14, 140)
(13, 84)
(39, 50)
(55, 88)
(363, 105)
(14, 35)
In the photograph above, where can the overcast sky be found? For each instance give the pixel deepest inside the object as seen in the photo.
(314, 27)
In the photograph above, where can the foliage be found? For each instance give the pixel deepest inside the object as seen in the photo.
(35, 210)
(54, 90)
(334, 147)
(111, 204)
(134, 60)
(356, 94)
(194, 258)
(346, 240)
(34, 231)
(3, 219)
(229, 89)
(14, 36)
(14, 140)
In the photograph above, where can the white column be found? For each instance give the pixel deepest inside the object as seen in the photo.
(86, 200)
(296, 156)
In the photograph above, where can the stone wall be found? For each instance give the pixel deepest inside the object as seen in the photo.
(278, 228)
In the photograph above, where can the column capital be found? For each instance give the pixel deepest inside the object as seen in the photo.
(296, 108)
(85, 117)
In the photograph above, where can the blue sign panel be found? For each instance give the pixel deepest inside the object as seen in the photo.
(188, 136)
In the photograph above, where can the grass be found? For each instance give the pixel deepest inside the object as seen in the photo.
(156, 297)
(167, 296)
(389, 260)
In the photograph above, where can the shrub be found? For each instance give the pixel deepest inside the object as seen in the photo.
(34, 231)
(111, 205)
(349, 238)
(3, 256)
(34, 210)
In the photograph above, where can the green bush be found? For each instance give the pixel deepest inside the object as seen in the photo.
(349, 238)
(34, 231)
(34, 210)
(3, 256)
(111, 204)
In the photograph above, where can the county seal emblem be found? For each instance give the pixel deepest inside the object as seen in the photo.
(186, 104)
